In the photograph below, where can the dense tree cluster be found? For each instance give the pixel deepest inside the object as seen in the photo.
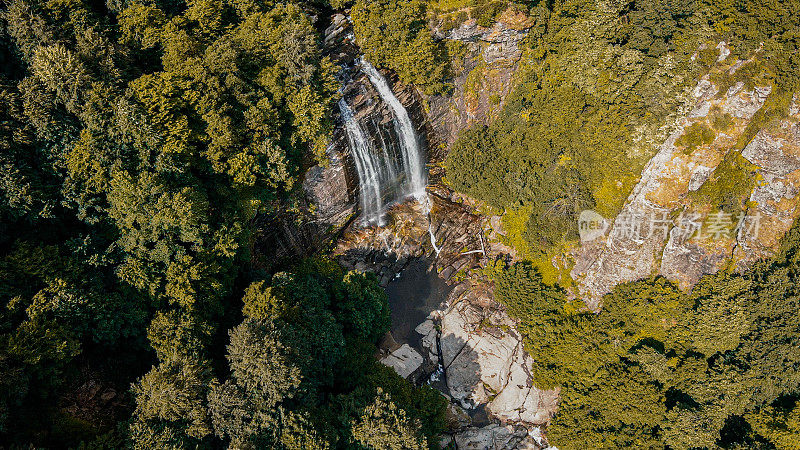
(657, 366)
(139, 142)
(301, 374)
(395, 34)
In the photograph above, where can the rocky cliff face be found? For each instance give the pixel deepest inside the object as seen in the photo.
(483, 75)
(333, 188)
(468, 347)
(669, 227)
(484, 360)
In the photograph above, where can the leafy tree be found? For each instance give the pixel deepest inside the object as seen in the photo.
(394, 34)
(246, 408)
(661, 367)
(383, 425)
(780, 426)
(138, 141)
(302, 365)
(171, 405)
(652, 24)
(363, 308)
(22, 186)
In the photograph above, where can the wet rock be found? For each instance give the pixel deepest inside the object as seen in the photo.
(457, 417)
(336, 32)
(430, 340)
(326, 188)
(425, 327)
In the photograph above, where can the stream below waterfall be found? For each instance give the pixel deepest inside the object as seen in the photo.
(412, 297)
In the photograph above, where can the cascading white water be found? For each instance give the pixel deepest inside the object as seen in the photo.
(366, 166)
(390, 165)
(391, 172)
(413, 159)
(433, 238)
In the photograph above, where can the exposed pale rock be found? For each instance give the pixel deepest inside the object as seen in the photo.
(767, 151)
(644, 238)
(338, 28)
(687, 262)
(485, 361)
(744, 104)
(425, 327)
(494, 437)
(457, 326)
(775, 198)
(699, 176)
(518, 400)
(405, 360)
(492, 54)
(794, 107)
(430, 339)
(430, 342)
(724, 51)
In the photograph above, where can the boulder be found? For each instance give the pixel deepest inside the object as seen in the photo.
(430, 340)
(405, 360)
(494, 437)
(519, 400)
(485, 362)
(425, 327)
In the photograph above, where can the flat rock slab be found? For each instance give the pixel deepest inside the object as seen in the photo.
(405, 360)
(495, 437)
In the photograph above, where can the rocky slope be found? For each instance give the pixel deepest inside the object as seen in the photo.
(484, 74)
(469, 348)
(669, 227)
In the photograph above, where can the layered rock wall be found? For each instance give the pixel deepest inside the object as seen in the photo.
(668, 227)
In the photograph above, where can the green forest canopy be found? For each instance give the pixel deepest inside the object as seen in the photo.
(593, 95)
(139, 143)
(140, 140)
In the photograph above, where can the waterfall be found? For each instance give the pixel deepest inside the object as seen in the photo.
(386, 172)
(413, 159)
(366, 166)
(433, 238)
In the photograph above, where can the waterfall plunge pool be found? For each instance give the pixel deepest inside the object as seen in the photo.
(412, 296)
